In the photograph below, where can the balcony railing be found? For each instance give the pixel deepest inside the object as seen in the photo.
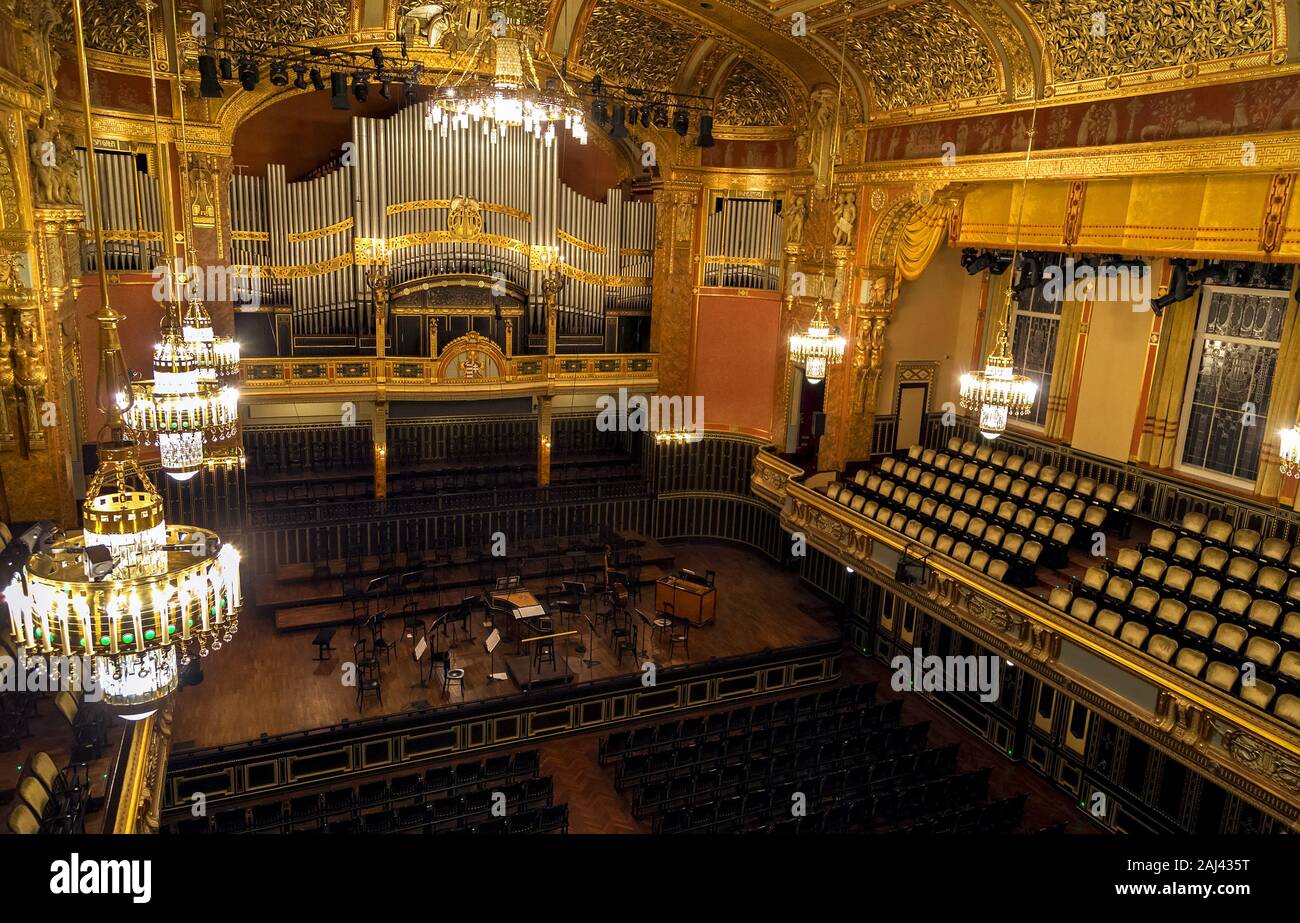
(1248, 750)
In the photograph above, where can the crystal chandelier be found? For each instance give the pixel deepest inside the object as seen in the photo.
(514, 97)
(131, 596)
(185, 406)
(1289, 452)
(217, 357)
(816, 348)
(997, 393)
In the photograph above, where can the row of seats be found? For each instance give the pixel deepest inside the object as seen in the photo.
(1236, 564)
(1218, 532)
(50, 800)
(719, 726)
(1214, 649)
(1000, 549)
(1121, 502)
(448, 786)
(1241, 573)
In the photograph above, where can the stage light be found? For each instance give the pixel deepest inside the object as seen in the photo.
(706, 131)
(249, 75)
(596, 85)
(409, 93)
(1180, 289)
(619, 129)
(209, 85)
(1030, 273)
(339, 91)
(681, 122)
(661, 117)
(317, 82)
(300, 76)
(645, 118)
(227, 69)
(384, 90)
(377, 55)
(360, 86)
(598, 111)
(279, 74)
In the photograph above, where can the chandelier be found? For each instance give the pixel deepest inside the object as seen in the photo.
(997, 393)
(677, 436)
(1289, 452)
(514, 97)
(217, 357)
(816, 348)
(186, 405)
(131, 596)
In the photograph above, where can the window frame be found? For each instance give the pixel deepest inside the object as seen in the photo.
(1192, 377)
(1025, 424)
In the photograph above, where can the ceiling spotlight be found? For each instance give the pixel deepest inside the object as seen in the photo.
(317, 82)
(248, 74)
(706, 131)
(1180, 289)
(596, 85)
(279, 74)
(384, 90)
(300, 76)
(619, 130)
(681, 122)
(227, 69)
(361, 86)
(661, 117)
(408, 94)
(339, 91)
(377, 55)
(645, 117)
(209, 85)
(1030, 273)
(598, 110)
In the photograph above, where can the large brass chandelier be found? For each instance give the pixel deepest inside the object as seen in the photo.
(514, 97)
(997, 393)
(135, 595)
(817, 347)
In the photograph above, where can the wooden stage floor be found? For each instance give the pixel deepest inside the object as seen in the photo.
(266, 682)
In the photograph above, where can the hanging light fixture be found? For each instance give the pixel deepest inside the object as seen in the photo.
(816, 347)
(997, 393)
(134, 594)
(514, 97)
(188, 403)
(1289, 452)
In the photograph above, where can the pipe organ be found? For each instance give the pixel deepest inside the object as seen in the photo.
(744, 243)
(131, 210)
(401, 181)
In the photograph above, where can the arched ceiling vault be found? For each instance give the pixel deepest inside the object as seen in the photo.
(905, 58)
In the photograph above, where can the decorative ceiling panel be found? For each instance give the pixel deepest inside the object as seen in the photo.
(1100, 38)
(115, 26)
(923, 53)
(749, 97)
(625, 44)
(288, 20)
(1012, 42)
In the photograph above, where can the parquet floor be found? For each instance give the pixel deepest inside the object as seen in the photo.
(266, 681)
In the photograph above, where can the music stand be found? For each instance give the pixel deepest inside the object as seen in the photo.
(591, 661)
(418, 652)
(490, 644)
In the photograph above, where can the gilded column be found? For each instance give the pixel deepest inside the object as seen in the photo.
(673, 309)
(545, 434)
(379, 438)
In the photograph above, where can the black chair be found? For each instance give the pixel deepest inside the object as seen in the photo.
(626, 643)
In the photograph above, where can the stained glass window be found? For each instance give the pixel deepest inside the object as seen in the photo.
(1234, 357)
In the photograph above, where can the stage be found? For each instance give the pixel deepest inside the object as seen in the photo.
(268, 682)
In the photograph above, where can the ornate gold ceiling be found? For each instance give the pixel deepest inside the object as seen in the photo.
(905, 58)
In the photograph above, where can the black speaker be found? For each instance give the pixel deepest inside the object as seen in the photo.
(339, 91)
(819, 423)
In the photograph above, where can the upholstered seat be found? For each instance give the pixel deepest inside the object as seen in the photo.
(1287, 707)
(1212, 560)
(1259, 693)
(1222, 675)
(1234, 604)
(1162, 647)
(1264, 613)
(1200, 624)
(1134, 634)
(1171, 612)
(979, 559)
(943, 544)
(1186, 550)
(1152, 569)
(1015, 464)
(1275, 550)
(1176, 580)
(997, 569)
(1263, 651)
(1029, 471)
(1105, 495)
(1066, 480)
(1190, 661)
(1060, 598)
(961, 551)
(1094, 580)
(1144, 601)
(1245, 541)
(1194, 524)
(1162, 542)
(1218, 531)
(1128, 560)
(1230, 637)
(1083, 609)
(1085, 488)
(1108, 621)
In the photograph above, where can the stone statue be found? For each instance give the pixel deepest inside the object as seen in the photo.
(846, 217)
(798, 213)
(431, 21)
(48, 186)
(6, 380)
